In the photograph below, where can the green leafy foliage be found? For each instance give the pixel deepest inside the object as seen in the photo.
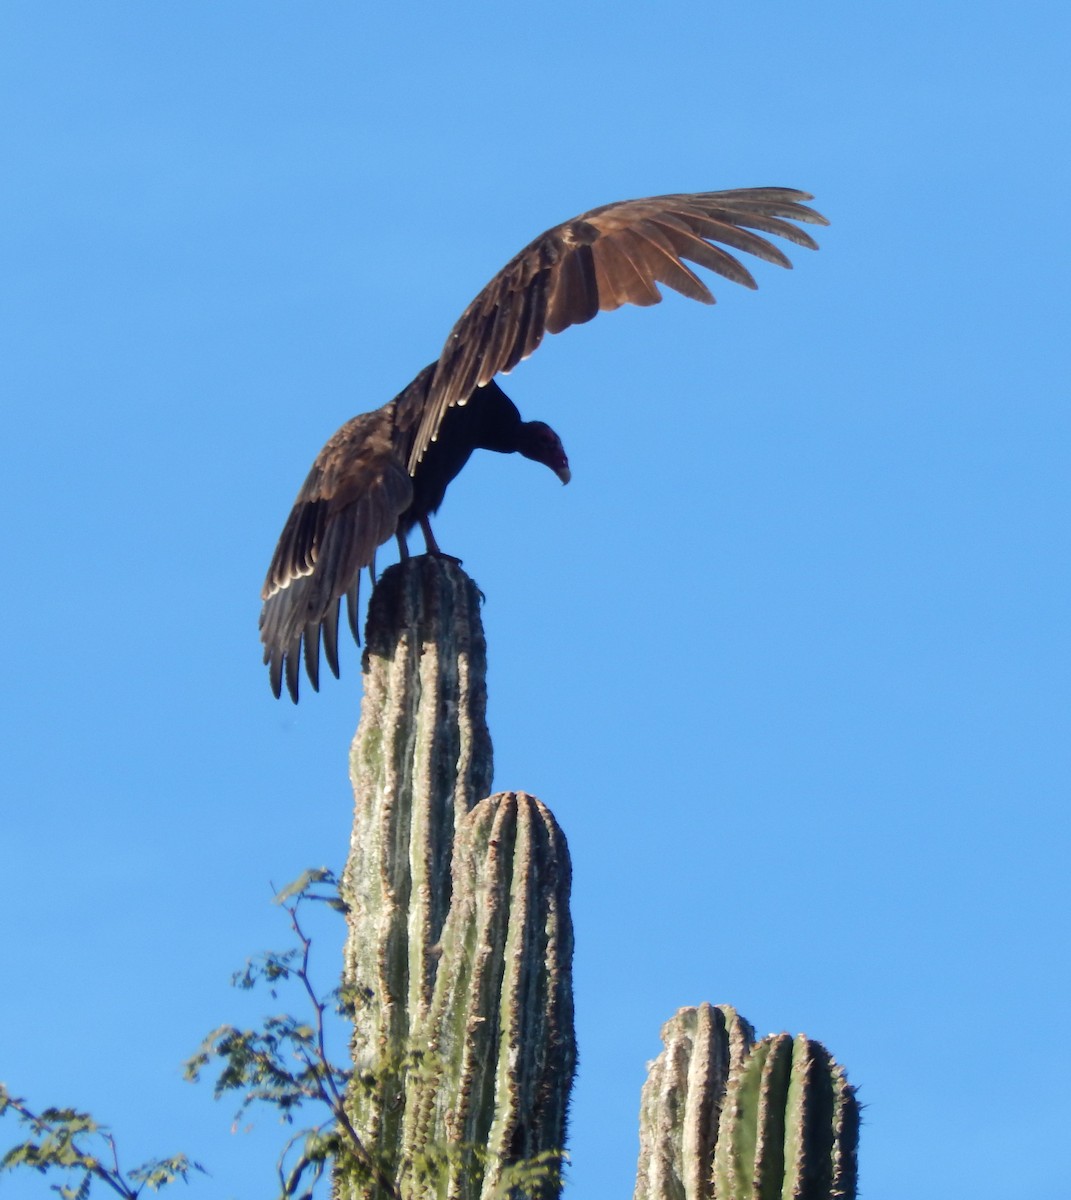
(73, 1145)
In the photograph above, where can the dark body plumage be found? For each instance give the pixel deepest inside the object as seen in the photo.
(388, 470)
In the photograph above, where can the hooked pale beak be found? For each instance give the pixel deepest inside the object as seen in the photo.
(563, 473)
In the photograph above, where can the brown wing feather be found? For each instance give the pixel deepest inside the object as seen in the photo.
(574, 298)
(348, 506)
(610, 256)
(627, 280)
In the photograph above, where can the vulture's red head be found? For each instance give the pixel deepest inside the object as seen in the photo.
(541, 444)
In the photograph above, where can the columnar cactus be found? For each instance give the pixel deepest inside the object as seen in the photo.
(420, 761)
(459, 957)
(725, 1118)
(463, 1038)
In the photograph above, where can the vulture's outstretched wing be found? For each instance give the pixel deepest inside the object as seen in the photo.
(349, 504)
(613, 255)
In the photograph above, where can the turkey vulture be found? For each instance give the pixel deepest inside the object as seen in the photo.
(385, 471)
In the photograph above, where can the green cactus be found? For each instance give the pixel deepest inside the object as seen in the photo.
(789, 1126)
(459, 954)
(682, 1098)
(463, 1033)
(500, 1040)
(420, 760)
(723, 1117)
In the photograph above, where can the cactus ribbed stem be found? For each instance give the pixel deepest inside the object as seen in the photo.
(681, 1102)
(420, 761)
(820, 1100)
(725, 1118)
(789, 1126)
(501, 1045)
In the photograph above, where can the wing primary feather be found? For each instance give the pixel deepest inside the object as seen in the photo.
(274, 659)
(693, 248)
(685, 229)
(782, 201)
(312, 653)
(667, 265)
(767, 222)
(292, 656)
(351, 607)
(330, 631)
(721, 262)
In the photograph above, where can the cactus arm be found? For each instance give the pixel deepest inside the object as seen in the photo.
(682, 1100)
(501, 1029)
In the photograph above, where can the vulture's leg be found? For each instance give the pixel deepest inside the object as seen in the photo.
(403, 549)
(429, 537)
(432, 544)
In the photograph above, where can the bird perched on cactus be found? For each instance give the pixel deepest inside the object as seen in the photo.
(388, 470)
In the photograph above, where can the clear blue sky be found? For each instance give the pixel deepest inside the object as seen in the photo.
(789, 659)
